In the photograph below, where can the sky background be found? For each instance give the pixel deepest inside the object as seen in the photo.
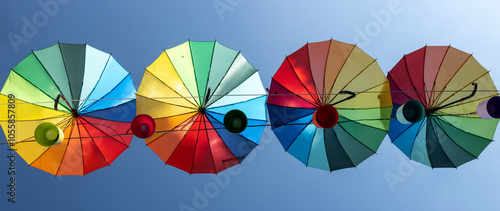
(136, 32)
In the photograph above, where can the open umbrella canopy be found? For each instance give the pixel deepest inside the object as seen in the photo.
(200, 95)
(449, 84)
(329, 105)
(97, 103)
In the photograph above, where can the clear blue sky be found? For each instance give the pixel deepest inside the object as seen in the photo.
(136, 32)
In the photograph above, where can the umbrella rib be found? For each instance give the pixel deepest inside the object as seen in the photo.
(357, 121)
(340, 143)
(68, 120)
(402, 132)
(460, 90)
(460, 104)
(94, 102)
(81, 144)
(38, 89)
(424, 124)
(220, 82)
(262, 120)
(353, 78)
(435, 133)
(97, 82)
(315, 97)
(180, 79)
(437, 102)
(26, 140)
(46, 118)
(215, 129)
(426, 92)
(194, 73)
(196, 144)
(159, 101)
(464, 132)
(209, 145)
(355, 94)
(71, 125)
(295, 138)
(247, 141)
(122, 141)
(434, 83)
(207, 104)
(319, 100)
(222, 128)
(295, 94)
(46, 71)
(340, 70)
(207, 98)
(389, 76)
(177, 116)
(194, 121)
(340, 125)
(310, 148)
(66, 69)
(289, 122)
(231, 104)
(163, 82)
(324, 97)
(173, 129)
(91, 138)
(411, 81)
(109, 108)
(338, 73)
(82, 109)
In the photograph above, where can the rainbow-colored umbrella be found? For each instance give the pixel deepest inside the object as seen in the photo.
(189, 91)
(449, 84)
(98, 105)
(310, 85)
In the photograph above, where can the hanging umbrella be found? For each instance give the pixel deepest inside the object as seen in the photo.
(79, 89)
(447, 84)
(329, 105)
(208, 105)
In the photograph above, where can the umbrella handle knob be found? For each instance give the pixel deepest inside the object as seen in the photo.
(411, 112)
(143, 126)
(235, 121)
(325, 117)
(489, 108)
(48, 134)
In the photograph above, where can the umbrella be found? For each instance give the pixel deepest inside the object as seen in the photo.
(448, 85)
(201, 96)
(329, 105)
(79, 89)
